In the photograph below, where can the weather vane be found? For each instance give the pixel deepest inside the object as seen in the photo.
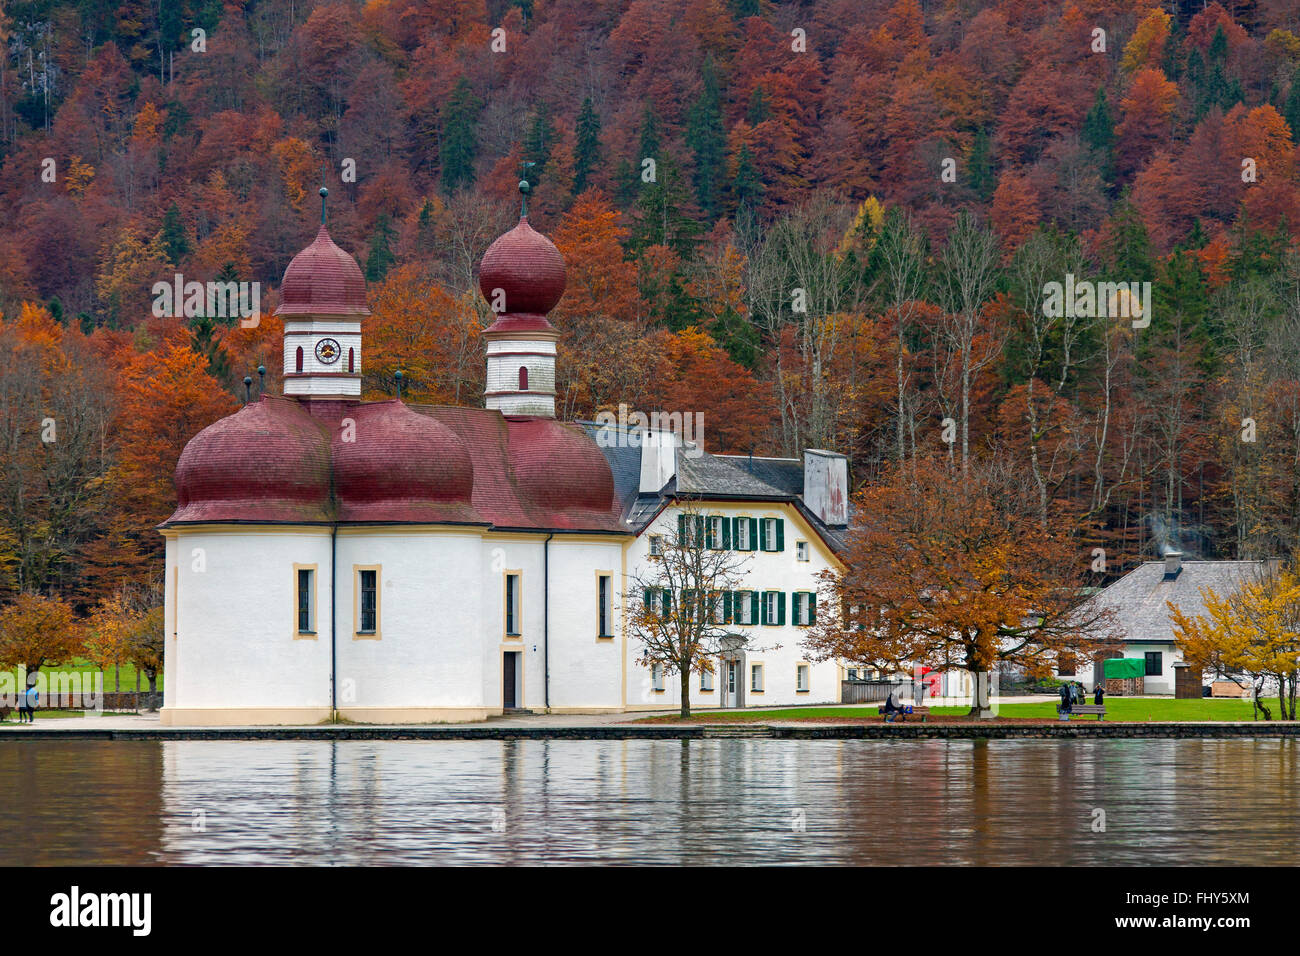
(524, 188)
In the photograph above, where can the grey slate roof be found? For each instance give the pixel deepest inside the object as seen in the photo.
(1138, 598)
(783, 473)
(716, 475)
(705, 476)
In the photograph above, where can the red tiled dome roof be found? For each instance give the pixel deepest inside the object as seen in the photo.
(323, 280)
(527, 267)
(401, 466)
(270, 461)
(558, 468)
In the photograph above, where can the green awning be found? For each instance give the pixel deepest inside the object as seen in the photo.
(1124, 667)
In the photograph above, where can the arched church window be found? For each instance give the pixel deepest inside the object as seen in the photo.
(523, 379)
(299, 367)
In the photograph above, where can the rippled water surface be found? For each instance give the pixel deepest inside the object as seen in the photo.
(697, 802)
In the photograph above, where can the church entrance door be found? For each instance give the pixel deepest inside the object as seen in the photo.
(509, 673)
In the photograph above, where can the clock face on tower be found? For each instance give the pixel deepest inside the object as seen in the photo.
(328, 351)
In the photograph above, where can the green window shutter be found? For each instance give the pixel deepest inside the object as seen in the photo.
(698, 539)
(709, 536)
(726, 534)
(780, 534)
(668, 603)
(649, 598)
(753, 534)
(681, 530)
(796, 602)
(762, 533)
(812, 608)
(762, 608)
(753, 606)
(780, 607)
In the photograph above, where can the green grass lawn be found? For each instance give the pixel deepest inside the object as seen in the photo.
(12, 719)
(126, 675)
(1154, 709)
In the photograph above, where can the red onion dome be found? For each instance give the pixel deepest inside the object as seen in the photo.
(527, 267)
(270, 461)
(323, 280)
(394, 464)
(557, 467)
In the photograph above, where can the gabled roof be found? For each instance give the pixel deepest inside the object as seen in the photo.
(1138, 598)
(705, 476)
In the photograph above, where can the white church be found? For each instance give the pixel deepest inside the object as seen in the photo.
(381, 562)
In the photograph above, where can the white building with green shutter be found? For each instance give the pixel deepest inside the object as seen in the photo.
(787, 515)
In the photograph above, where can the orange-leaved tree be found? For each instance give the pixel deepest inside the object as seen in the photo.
(167, 396)
(36, 630)
(951, 570)
(1252, 634)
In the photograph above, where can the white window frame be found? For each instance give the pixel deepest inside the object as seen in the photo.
(756, 678)
(713, 528)
(802, 678)
(706, 682)
(801, 608)
(801, 551)
(657, 678)
(770, 606)
(746, 608)
(741, 535)
(767, 534)
(656, 545)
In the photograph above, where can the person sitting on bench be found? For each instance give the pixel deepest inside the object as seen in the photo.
(892, 706)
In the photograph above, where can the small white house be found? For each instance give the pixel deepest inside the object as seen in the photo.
(1140, 601)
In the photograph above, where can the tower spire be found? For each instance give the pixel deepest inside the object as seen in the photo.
(524, 188)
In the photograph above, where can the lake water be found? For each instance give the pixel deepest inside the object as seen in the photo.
(650, 801)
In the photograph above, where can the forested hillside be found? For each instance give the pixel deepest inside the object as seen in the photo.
(822, 224)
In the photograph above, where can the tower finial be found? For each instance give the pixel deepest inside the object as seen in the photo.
(397, 376)
(323, 193)
(524, 188)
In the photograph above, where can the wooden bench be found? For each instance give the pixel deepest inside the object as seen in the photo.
(1098, 709)
(906, 712)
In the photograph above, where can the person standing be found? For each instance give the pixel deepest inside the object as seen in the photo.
(30, 699)
(1099, 694)
(1067, 695)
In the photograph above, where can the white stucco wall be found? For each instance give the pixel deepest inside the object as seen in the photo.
(232, 642)
(778, 648)
(430, 603)
(231, 603)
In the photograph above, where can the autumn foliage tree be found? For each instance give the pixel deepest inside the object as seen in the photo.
(1251, 634)
(36, 630)
(957, 571)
